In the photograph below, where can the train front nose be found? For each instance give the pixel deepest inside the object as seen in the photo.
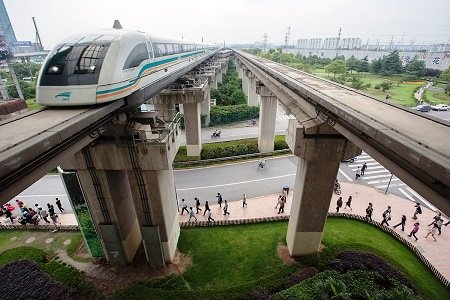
(71, 74)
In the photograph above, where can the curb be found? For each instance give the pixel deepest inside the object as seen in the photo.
(39, 227)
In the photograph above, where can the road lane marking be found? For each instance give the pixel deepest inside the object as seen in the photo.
(345, 175)
(375, 176)
(235, 183)
(390, 186)
(31, 196)
(430, 206)
(406, 195)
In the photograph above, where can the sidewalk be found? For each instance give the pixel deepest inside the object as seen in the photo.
(264, 206)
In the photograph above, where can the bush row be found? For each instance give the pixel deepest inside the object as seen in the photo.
(227, 151)
(233, 113)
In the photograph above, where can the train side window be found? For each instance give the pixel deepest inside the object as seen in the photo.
(56, 64)
(137, 55)
(160, 49)
(176, 48)
(88, 59)
(169, 48)
(150, 50)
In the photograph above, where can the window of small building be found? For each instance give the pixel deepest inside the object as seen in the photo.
(137, 55)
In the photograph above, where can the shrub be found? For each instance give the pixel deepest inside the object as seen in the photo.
(170, 282)
(354, 260)
(234, 113)
(35, 255)
(280, 145)
(377, 86)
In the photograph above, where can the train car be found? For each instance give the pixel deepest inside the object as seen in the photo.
(109, 64)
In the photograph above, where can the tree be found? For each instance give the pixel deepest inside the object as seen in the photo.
(336, 67)
(377, 66)
(445, 75)
(416, 68)
(364, 65)
(352, 64)
(392, 63)
(447, 89)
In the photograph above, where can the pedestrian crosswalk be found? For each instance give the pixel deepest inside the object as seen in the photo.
(378, 176)
(281, 117)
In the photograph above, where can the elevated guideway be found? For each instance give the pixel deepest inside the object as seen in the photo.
(414, 147)
(34, 143)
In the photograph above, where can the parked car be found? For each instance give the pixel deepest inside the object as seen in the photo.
(423, 107)
(350, 160)
(440, 107)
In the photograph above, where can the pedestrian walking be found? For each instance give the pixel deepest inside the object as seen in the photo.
(43, 214)
(197, 204)
(339, 204)
(206, 208)
(244, 200)
(435, 218)
(402, 222)
(191, 215)
(8, 214)
(280, 199)
(448, 222)
(58, 203)
(53, 215)
(432, 231)
(386, 216)
(349, 203)
(225, 208)
(414, 230)
(210, 216)
(219, 199)
(363, 169)
(358, 173)
(184, 206)
(418, 211)
(281, 209)
(438, 225)
(369, 211)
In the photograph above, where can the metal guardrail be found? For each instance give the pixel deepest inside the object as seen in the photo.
(193, 163)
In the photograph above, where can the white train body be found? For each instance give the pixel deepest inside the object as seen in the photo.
(110, 64)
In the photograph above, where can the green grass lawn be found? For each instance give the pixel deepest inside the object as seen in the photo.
(231, 257)
(437, 97)
(6, 241)
(32, 105)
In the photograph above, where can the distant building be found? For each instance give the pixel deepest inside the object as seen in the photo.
(6, 28)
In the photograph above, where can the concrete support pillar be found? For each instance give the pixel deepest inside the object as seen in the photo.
(219, 76)
(240, 70)
(245, 83)
(320, 149)
(267, 118)
(206, 107)
(251, 94)
(108, 195)
(192, 124)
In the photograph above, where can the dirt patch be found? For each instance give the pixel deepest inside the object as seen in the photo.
(181, 262)
(283, 253)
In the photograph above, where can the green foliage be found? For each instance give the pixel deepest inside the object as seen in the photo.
(363, 65)
(88, 230)
(214, 150)
(445, 75)
(352, 64)
(233, 113)
(229, 91)
(447, 89)
(280, 143)
(66, 274)
(331, 288)
(36, 255)
(415, 69)
(387, 65)
(170, 282)
(336, 67)
(377, 66)
(385, 85)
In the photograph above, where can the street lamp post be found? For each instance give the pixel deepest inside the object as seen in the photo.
(388, 184)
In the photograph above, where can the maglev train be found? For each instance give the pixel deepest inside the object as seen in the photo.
(109, 64)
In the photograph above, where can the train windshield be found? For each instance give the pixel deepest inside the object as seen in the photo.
(74, 64)
(56, 63)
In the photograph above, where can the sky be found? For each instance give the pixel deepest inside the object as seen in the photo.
(238, 21)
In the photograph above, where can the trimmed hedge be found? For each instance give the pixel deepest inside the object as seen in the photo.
(227, 151)
(233, 113)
